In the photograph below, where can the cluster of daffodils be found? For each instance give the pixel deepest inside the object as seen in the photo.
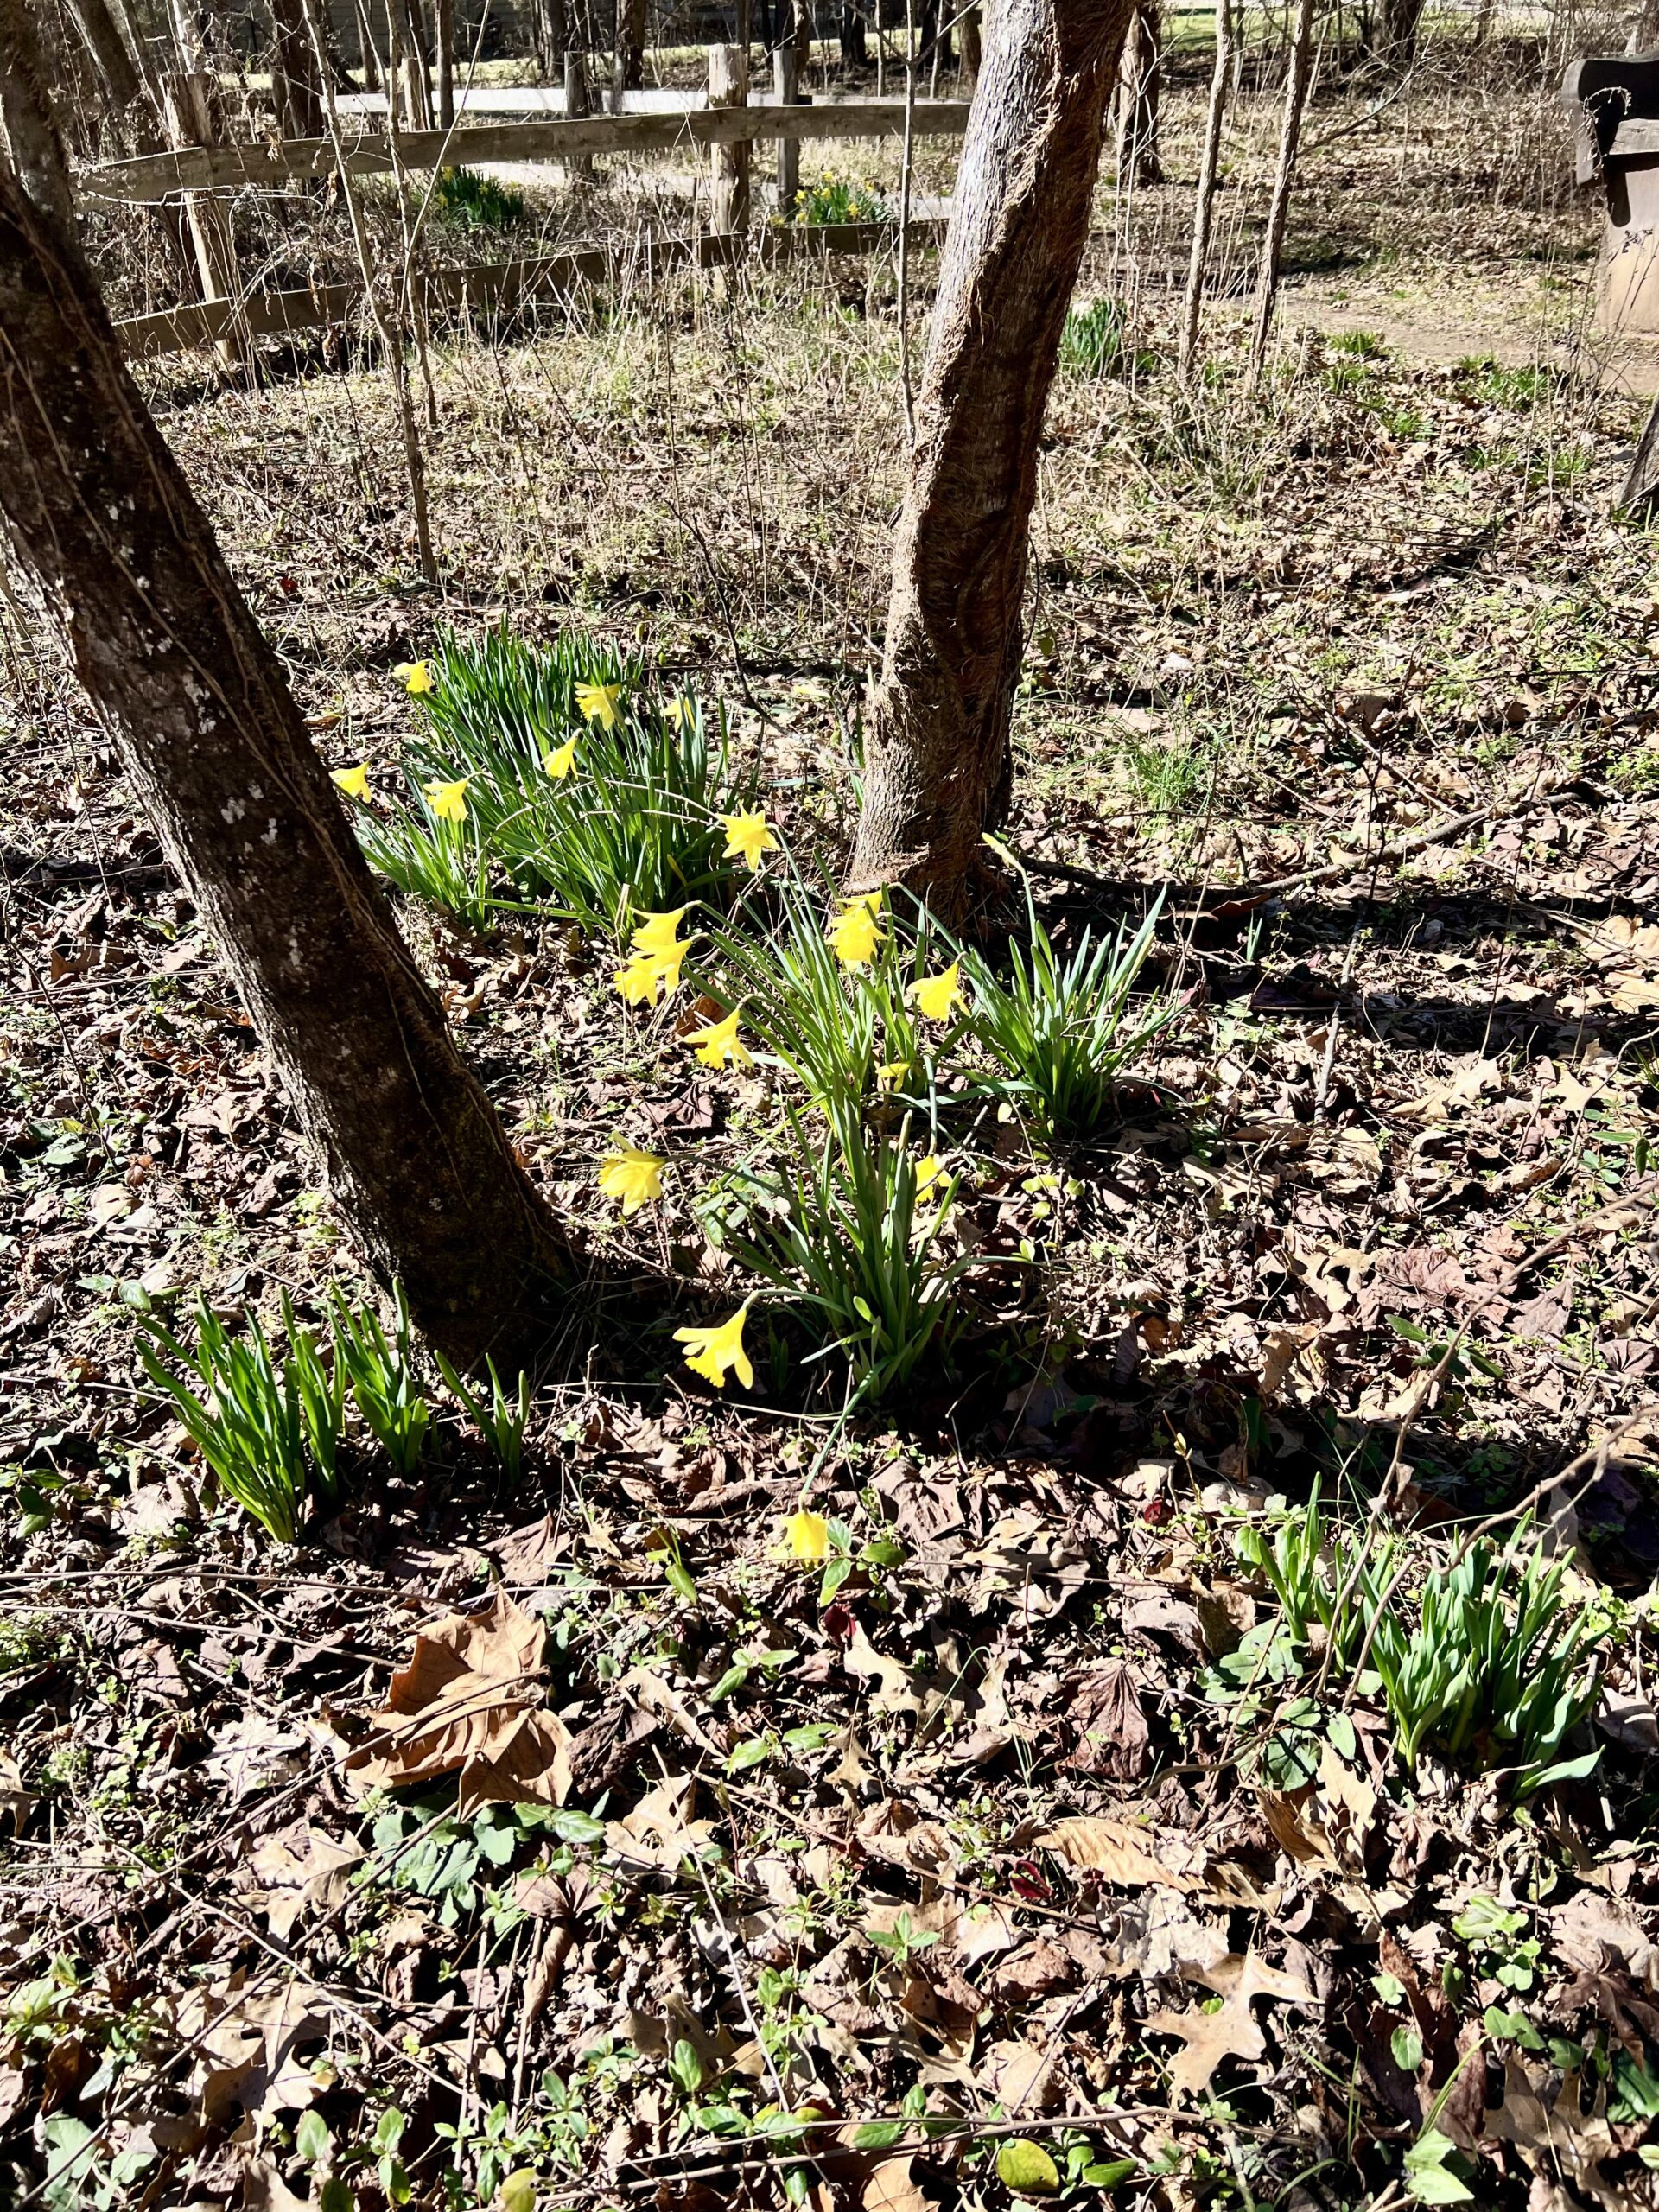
(595, 703)
(658, 951)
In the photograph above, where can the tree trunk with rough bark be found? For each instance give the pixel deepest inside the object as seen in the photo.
(936, 767)
(1396, 33)
(294, 73)
(97, 512)
(1140, 91)
(631, 44)
(1290, 134)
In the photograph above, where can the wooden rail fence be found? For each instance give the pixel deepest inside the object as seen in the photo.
(207, 168)
(498, 287)
(723, 129)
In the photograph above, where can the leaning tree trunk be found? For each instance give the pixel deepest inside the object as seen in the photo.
(936, 771)
(97, 510)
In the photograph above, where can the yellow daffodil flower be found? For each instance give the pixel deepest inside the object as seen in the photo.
(633, 1176)
(561, 760)
(853, 936)
(890, 1077)
(657, 955)
(716, 1044)
(354, 782)
(928, 1171)
(448, 801)
(807, 1535)
(418, 679)
(640, 982)
(657, 936)
(680, 711)
(747, 835)
(598, 702)
(937, 996)
(711, 1351)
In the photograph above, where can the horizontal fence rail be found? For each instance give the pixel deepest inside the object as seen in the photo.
(500, 287)
(206, 168)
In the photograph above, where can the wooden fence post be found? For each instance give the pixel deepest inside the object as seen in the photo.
(728, 166)
(576, 102)
(786, 83)
(195, 116)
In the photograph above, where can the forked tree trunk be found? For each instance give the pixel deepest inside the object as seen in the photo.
(937, 769)
(97, 510)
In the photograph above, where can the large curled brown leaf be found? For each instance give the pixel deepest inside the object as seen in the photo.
(467, 1702)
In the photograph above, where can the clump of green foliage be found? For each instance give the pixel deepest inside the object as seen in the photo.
(832, 197)
(579, 792)
(1059, 1029)
(1482, 1659)
(478, 203)
(1094, 339)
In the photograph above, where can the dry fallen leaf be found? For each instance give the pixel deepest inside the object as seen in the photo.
(467, 1702)
(1132, 1857)
(298, 1871)
(891, 2187)
(1232, 2032)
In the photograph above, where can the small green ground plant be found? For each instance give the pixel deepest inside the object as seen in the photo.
(269, 1433)
(1060, 1029)
(1483, 1659)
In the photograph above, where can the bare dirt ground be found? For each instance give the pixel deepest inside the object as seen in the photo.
(1354, 675)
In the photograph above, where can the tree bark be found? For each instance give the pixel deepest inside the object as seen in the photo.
(294, 73)
(1396, 33)
(96, 510)
(443, 30)
(631, 44)
(1140, 93)
(937, 766)
(803, 21)
(1273, 245)
(1205, 203)
(970, 47)
(854, 51)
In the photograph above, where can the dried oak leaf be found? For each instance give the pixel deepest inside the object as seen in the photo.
(466, 1703)
(1134, 1858)
(1208, 2037)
